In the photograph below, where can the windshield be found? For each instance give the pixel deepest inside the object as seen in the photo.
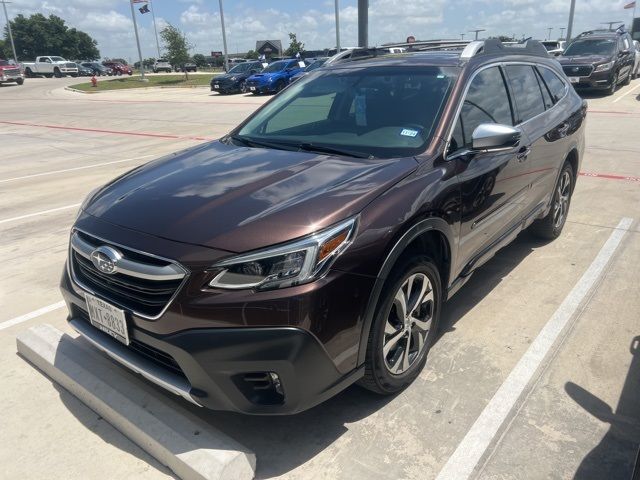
(242, 67)
(275, 67)
(316, 64)
(381, 112)
(57, 59)
(591, 47)
(551, 45)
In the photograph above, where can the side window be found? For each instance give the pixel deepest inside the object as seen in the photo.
(528, 96)
(546, 96)
(556, 86)
(487, 101)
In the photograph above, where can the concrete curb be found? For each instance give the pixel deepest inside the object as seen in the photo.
(171, 434)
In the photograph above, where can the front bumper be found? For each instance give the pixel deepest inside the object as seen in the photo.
(225, 87)
(225, 368)
(11, 78)
(261, 87)
(595, 81)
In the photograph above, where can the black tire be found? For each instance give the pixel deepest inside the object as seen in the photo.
(57, 73)
(378, 376)
(550, 227)
(280, 86)
(614, 84)
(20, 81)
(627, 80)
(28, 72)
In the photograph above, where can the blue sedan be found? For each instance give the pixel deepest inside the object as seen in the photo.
(273, 78)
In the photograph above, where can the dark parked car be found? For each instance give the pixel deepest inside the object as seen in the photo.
(187, 67)
(97, 69)
(118, 68)
(317, 63)
(234, 80)
(84, 71)
(599, 60)
(274, 77)
(315, 245)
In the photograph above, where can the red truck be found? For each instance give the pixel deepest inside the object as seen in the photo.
(118, 68)
(10, 73)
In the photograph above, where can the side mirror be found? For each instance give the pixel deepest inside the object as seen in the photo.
(493, 137)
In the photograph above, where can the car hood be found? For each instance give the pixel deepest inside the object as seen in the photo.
(228, 76)
(582, 59)
(240, 199)
(263, 77)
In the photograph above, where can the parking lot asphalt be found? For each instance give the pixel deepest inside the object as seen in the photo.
(577, 417)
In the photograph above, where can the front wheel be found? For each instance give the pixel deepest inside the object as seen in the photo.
(404, 326)
(627, 80)
(614, 84)
(20, 81)
(57, 73)
(550, 227)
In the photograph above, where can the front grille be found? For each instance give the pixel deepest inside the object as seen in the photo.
(152, 354)
(144, 296)
(11, 71)
(70, 65)
(578, 70)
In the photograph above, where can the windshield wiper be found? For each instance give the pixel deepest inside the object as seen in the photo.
(250, 142)
(311, 147)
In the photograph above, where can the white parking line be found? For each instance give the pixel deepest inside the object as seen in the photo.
(625, 94)
(29, 215)
(53, 172)
(461, 464)
(30, 315)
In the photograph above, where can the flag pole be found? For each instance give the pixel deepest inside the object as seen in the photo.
(153, 12)
(135, 29)
(224, 39)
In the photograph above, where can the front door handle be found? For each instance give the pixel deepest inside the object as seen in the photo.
(523, 153)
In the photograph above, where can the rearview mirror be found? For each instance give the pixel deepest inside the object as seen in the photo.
(493, 137)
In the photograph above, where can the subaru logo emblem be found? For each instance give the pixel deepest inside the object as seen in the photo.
(106, 259)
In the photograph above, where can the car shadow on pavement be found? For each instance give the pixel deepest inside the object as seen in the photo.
(615, 455)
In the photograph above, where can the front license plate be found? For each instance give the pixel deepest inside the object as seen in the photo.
(106, 317)
(216, 86)
(574, 79)
(253, 89)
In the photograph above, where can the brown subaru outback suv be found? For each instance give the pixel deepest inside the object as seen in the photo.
(315, 245)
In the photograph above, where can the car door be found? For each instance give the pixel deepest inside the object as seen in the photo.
(544, 132)
(492, 188)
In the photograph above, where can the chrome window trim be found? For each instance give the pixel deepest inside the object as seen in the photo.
(498, 64)
(83, 288)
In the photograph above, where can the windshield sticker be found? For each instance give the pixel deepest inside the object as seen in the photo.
(409, 132)
(361, 110)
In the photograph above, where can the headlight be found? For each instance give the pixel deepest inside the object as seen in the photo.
(604, 67)
(287, 265)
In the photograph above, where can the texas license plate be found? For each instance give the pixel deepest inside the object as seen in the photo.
(574, 79)
(253, 89)
(106, 317)
(216, 86)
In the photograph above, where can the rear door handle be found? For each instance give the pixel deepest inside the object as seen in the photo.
(523, 153)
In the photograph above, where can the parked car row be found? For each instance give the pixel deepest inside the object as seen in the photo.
(54, 66)
(163, 65)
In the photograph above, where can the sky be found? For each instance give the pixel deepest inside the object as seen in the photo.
(109, 21)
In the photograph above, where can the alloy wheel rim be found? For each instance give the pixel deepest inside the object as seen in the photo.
(561, 204)
(408, 323)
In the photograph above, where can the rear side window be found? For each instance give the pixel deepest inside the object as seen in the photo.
(526, 90)
(546, 96)
(487, 101)
(556, 86)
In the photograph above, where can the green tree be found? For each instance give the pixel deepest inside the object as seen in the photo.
(39, 35)
(252, 54)
(200, 60)
(176, 46)
(294, 46)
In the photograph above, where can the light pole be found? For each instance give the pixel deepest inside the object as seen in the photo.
(337, 26)
(549, 34)
(462, 36)
(135, 29)
(572, 10)
(155, 28)
(562, 29)
(477, 31)
(6, 15)
(363, 23)
(224, 39)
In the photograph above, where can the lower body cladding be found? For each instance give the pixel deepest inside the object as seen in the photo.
(253, 370)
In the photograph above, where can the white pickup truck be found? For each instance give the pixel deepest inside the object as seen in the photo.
(50, 67)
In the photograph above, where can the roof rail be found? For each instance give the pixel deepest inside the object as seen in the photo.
(493, 46)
